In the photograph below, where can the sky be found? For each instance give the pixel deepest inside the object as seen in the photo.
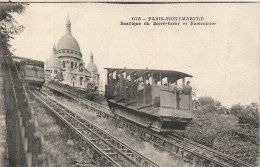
(223, 59)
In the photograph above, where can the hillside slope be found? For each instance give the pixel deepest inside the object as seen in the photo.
(233, 131)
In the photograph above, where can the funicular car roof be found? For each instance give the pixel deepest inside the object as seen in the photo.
(164, 73)
(24, 59)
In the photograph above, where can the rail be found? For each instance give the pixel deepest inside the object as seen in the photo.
(112, 149)
(170, 143)
(77, 97)
(217, 153)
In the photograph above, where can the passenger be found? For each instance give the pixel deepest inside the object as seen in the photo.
(140, 86)
(174, 86)
(187, 88)
(128, 83)
(117, 79)
(117, 90)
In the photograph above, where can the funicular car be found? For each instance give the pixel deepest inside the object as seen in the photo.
(150, 98)
(31, 71)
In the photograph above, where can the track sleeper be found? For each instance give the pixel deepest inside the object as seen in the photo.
(123, 149)
(111, 153)
(93, 139)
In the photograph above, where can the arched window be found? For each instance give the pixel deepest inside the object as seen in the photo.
(80, 67)
(81, 80)
(63, 64)
(76, 65)
(71, 64)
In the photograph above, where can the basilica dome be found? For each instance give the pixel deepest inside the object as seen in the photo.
(67, 41)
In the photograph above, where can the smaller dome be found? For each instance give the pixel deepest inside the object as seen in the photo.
(91, 65)
(53, 60)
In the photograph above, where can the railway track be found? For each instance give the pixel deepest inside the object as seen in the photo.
(187, 149)
(105, 147)
(217, 153)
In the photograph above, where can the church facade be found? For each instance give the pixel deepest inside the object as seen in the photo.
(66, 65)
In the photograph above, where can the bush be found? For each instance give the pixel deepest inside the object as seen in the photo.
(231, 143)
(248, 114)
(209, 104)
(206, 101)
(235, 132)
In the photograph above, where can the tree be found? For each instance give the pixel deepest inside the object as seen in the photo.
(255, 107)
(236, 109)
(206, 101)
(8, 25)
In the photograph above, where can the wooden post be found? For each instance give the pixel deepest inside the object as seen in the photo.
(35, 149)
(30, 136)
(183, 82)
(108, 77)
(132, 85)
(144, 91)
(161, 77)
(168, 83)
(152, 78)
(121, 84)
(152, 88)
(108, 86)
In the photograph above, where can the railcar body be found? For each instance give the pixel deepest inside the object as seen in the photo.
(31, 71)
(149, 98)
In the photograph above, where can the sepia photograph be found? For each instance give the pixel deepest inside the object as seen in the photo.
(129, 84)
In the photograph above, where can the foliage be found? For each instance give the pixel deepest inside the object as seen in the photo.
(210, 105)
(206, 125)
(248, 114)
(206, 101)
(233, 131)
(242, 143)
(56, 146)
(8, 25)
(236, 109)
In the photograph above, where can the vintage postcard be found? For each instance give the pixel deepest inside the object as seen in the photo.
(137, 83)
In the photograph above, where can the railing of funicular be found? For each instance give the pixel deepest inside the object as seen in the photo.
(25, 143)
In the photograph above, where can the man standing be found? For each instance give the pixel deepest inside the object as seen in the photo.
(140, 88)
(187, 89)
